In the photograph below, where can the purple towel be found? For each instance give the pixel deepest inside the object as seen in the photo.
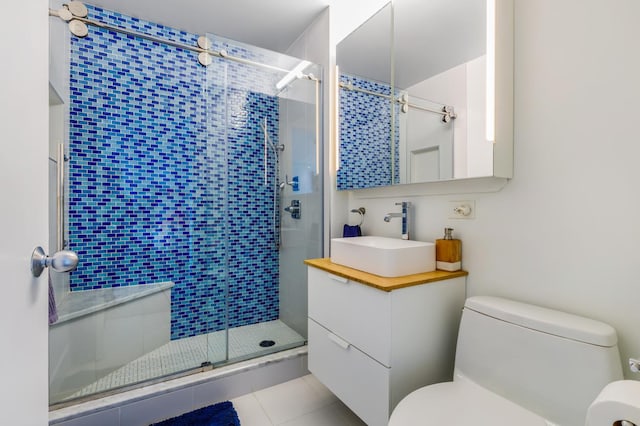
(351, 231)
(53, 311)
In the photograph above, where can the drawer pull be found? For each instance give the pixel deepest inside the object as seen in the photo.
(338, 341)
(339, 279)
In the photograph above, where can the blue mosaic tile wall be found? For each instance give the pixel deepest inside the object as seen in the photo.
(365, 136)
(167, 183)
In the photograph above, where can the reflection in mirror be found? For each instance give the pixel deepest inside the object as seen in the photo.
(426, 140)
(440, 61)
(366, 127)
(443, 93)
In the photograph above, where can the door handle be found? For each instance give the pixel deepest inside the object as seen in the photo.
(62, 261)
(338, 341)
(338, 278)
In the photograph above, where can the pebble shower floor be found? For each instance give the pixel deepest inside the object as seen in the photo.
(183, 354)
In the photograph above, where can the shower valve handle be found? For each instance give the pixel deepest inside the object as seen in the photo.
(294, 209)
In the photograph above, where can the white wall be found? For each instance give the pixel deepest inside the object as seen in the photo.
(564, 232)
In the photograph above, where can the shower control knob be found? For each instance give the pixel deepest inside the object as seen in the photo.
(294, 209)
(62, 261)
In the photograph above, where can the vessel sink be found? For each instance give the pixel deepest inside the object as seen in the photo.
(386, 257)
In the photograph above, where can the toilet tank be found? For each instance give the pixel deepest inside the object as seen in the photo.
(550, 362)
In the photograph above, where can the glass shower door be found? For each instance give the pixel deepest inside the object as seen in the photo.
(141, 215)
(213, 213)
(269, 137)
(302, 236)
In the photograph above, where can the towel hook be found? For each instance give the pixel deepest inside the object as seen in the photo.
(361, 211)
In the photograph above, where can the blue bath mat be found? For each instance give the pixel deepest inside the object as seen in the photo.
(220, 414)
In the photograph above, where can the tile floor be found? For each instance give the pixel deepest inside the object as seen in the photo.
(300, 402)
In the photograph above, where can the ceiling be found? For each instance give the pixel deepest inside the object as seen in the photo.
(429, 37)
(271, 24)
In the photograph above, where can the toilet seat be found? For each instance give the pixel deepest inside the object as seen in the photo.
(461, 402)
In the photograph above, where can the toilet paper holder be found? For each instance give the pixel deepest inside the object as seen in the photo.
(618, 404)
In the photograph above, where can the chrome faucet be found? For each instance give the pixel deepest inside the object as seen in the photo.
(406, 205)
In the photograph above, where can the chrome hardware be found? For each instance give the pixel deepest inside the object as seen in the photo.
(406, 205)
(60, 243)
(78, 28)
(389, 216)
(294, 209)
(78, 9)
(448, 114)
(361, 211)
(62, 261)
(338, 341)
(294, 183)
(204, 59)
(204, 43)
(287, 182)
(64, 14)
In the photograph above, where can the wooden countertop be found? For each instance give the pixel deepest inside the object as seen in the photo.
(383, 283)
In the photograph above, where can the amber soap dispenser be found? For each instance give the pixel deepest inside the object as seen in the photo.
(448, 252)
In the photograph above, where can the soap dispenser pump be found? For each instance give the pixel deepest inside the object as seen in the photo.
(448, 252)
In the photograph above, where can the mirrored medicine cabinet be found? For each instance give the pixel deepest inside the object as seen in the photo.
(426, 94)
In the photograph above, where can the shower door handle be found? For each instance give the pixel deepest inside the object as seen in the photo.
(62, 261)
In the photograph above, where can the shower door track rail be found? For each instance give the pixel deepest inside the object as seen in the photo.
(219, 54)
(446, 111)
(352, 88)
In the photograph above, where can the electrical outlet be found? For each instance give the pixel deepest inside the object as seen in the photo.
(462, 209)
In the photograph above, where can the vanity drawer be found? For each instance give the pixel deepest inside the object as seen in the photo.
(359, 381)
(356, 312)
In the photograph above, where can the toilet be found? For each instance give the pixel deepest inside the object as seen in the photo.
(518, 364)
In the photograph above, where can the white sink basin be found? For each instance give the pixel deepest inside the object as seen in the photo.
(386, 257)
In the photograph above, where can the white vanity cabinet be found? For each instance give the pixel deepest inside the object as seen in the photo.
(372, 340)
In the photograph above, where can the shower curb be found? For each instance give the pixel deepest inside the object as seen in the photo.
(174, 397)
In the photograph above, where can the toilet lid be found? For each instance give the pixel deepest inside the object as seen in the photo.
(460, 403)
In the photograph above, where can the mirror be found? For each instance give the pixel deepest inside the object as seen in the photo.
(450, 116)
(365, 119)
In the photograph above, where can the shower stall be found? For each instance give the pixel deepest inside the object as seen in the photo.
(188, 171)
